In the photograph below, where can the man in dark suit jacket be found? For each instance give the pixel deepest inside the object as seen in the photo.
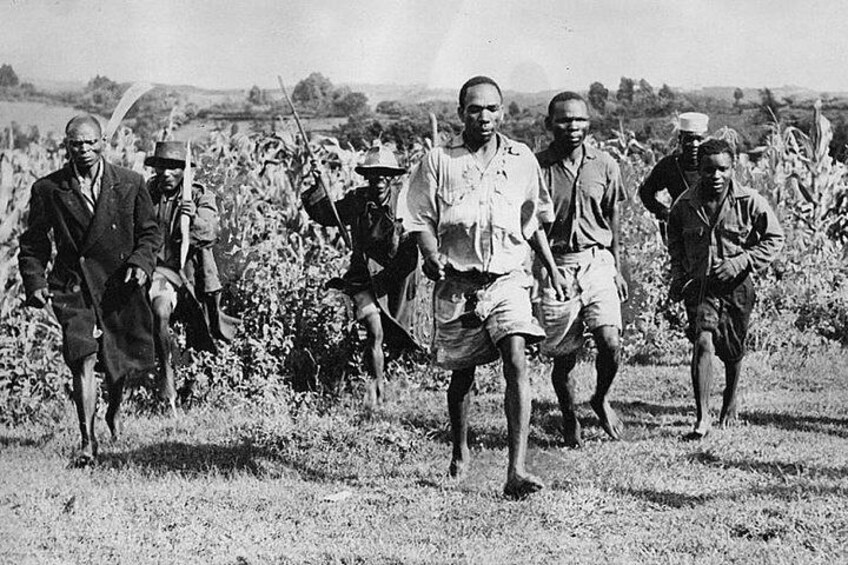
(105, 236)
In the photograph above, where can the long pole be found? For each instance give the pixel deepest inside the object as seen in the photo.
(318, 178)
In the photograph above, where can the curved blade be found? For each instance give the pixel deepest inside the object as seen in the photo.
(129, 98)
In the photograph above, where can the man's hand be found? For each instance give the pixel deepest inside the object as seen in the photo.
(39, 298)
(434, 266)
(681, 288)
(135, 275)
(621, 285)
(188, 208)
(558, 284)
(729, 269)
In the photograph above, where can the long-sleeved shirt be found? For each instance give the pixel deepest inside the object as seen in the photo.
(745, 226)
(481, 217)
(668, 175)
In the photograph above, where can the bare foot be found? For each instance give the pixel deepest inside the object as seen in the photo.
(371, 400)
(458, 469)
(521, 486)
(116, 425)
(86, 456)
(572, 432)
(702, 429)
(728, 420)
(609, 420)
(459, 463)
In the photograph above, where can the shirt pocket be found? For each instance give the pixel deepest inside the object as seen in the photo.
(733, 239)
(508, 205)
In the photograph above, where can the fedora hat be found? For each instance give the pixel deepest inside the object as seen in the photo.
(167, 155)
(381, 161)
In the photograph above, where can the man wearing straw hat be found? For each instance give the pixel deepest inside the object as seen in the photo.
(197, 282)
(678, 172)
(381, 279)
(100, 220)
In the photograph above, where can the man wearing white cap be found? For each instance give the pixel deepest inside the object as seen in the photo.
(381, 279)
(677, 172)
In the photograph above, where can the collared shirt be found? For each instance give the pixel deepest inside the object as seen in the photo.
(745, 225)
(667, 174)
(482, 218)
(89, 187)
(583, 199)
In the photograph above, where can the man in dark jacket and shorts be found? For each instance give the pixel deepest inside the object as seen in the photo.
(719, 233)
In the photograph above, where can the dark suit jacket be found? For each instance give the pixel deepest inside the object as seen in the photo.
(98, 312)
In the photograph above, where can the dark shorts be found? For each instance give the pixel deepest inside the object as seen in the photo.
(726, 314)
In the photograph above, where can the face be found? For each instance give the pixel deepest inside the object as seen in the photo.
(482, 112)
(689, 144)
(169, 178)
(377, 184)
(715, 172)
(84, 144)
(569, 122)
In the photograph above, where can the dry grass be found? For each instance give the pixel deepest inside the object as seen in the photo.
(255, 485)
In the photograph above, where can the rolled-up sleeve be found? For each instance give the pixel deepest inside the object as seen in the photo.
(421, 198)
(545, 209)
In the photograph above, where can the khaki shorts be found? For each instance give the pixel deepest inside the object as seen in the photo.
(591, 301)
(162, 287)
(463, 338)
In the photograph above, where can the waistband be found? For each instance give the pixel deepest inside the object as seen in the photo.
(474, 277)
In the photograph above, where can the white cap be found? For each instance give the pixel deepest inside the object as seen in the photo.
(694, 122)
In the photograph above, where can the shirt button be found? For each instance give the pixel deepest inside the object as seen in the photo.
(75, 288)
(114, 227)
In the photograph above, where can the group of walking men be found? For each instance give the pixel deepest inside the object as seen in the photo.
(475, 207)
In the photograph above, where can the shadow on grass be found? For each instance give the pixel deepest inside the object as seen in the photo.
(777, 469)
(186, 459)
(11, 441)
(799, 423)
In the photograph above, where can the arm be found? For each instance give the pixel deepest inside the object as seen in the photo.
(204, 224)
(317, 206)
(677, 254)
(768, 240)
(35, 248)
(424, 216)
(615, 224)
(648, 194)
(539, 243)
(148, 237)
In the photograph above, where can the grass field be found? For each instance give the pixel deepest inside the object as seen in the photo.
(258, 483)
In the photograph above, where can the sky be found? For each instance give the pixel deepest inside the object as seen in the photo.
(524, 45)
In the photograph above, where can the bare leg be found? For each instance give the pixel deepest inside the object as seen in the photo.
(519, 483)
(113, 411)
(564, 389)
(374, 359)
(702, 377)
(85, 399)
(161, 326)
(606, 364)
(728, 406)
(459, 401)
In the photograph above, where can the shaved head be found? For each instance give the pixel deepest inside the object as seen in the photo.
(83, 119)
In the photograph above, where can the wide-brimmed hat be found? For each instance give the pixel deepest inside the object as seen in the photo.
(693, 122)
(381, 161)
(167, 155)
